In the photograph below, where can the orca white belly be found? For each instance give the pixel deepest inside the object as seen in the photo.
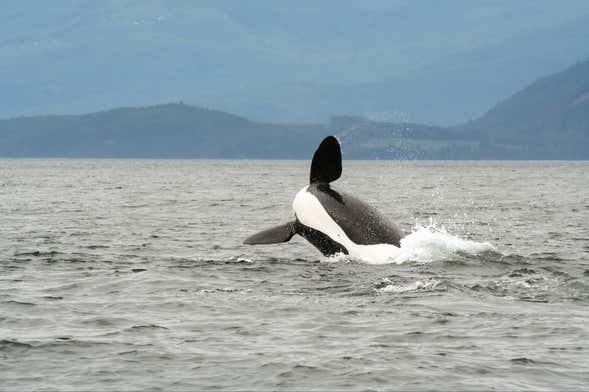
(311, 213)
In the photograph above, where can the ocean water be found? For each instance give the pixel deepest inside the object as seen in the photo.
(129, 275)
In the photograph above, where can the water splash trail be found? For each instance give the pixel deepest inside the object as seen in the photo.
(427, 244)
(432, 243)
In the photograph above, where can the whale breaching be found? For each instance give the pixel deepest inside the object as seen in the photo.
(333, 221)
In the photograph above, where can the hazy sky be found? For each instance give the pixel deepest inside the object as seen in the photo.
(302, 60)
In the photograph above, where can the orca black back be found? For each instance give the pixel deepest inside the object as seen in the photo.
(361, 222)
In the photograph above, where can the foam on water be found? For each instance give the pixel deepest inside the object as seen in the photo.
(398, 288)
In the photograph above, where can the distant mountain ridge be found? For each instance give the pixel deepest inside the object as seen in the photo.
(163, 131)
(558, 101)
(547, 120)
(552, 113)
(456, 87)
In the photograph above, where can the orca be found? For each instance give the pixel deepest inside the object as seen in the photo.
(333, 221)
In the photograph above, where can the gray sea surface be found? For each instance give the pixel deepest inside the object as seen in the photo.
(131, 275)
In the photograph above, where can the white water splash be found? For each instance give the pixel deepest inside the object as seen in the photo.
(427, 244)
(431, 243)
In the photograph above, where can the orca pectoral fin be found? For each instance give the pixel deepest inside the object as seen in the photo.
(275, 235)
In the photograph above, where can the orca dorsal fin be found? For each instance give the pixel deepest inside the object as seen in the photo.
(327, 162)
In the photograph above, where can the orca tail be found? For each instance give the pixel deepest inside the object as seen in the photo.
(327, 162)
(275, 235)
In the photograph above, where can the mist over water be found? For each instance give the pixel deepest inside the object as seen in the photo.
(126, 275)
